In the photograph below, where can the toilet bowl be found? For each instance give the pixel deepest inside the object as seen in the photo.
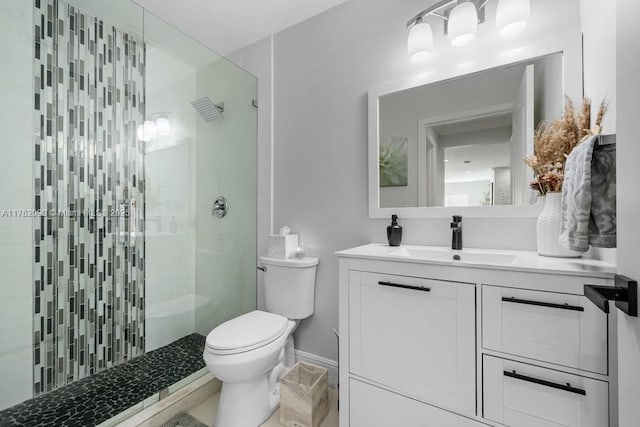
(243, 357)
(249, 353)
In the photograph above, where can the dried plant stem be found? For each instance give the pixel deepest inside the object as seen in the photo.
(584, 119)
(554, 141)
(601, 112)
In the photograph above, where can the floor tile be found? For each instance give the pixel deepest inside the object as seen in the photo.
(205, 412)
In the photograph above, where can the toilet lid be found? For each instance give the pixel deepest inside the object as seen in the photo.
(246, 332)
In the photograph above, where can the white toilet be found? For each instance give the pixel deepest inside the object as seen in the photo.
(249, 353)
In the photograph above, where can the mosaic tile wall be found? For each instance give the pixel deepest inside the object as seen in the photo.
(89, 195)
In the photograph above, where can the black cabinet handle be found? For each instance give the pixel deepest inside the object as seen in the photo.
(398, 285)
(543, 304)
(567, 387)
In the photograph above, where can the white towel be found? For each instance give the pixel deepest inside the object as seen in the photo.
(576, 197)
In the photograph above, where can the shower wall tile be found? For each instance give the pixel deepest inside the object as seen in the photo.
(88, 265)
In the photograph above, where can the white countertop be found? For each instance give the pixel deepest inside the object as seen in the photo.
(482, 258)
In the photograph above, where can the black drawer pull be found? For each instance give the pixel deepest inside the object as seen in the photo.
(567, 387)
(543, 304)
(398, 285)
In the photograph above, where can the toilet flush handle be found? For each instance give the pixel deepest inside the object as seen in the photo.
(264, 269)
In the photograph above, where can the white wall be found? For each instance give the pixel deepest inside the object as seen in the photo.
(598, 25)
(628, 199)
(323, 69)
(548, 92)
(466, 193)
(16, 192)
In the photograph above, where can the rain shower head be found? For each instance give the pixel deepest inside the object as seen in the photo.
(207, 109)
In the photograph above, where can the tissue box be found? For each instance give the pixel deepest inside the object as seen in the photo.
(282, 245)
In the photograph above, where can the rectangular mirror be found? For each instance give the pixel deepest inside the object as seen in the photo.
(458, 144)
(466, 138)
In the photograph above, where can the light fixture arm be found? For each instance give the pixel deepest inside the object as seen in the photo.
(440, 15)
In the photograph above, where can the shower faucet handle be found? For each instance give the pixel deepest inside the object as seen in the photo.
(220, 207)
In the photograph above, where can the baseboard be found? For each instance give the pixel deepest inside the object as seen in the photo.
(323, 362)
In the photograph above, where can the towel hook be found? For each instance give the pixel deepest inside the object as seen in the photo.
(624, 293)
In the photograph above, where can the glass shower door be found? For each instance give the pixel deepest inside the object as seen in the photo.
(201, 267)
(120, 133)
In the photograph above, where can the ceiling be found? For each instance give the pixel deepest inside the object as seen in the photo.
(228, 25)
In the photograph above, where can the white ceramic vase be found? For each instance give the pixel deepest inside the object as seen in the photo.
(548, 228)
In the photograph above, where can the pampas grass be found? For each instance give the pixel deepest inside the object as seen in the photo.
(553, 141)
(584, 118)
(600, 116)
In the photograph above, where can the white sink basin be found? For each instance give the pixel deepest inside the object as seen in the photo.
(428, 254)
(463, 256)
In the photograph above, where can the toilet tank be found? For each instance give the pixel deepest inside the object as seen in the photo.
(289, 286)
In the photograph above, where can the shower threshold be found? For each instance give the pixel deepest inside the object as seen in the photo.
(100, 397)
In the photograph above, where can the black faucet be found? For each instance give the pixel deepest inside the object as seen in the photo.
(456, 237)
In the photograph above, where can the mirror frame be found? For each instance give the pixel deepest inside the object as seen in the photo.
(572, 76)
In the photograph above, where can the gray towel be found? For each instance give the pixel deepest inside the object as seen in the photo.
(589, 197)
(602, 221)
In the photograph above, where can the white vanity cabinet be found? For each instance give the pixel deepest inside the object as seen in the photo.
(415, 335)
(438, 343)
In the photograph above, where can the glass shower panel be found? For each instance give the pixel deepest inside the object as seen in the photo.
(120, 132)
(200, 268)
(16, 193)
(226, 166)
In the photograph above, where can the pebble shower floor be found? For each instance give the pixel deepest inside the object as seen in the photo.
(99, 397)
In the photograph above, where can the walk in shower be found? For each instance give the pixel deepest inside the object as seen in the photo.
(119, 134)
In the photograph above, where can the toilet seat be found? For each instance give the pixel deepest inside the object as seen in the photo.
(246, 332)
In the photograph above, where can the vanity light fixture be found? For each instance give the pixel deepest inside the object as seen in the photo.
(512, 16)
(147, 131)
(461, 19)
(420, 42)
(463, 24)
(159, 125)
(163, 126)
(150, 130)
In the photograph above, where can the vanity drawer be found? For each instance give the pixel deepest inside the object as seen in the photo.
(521, 395)
(415, 336)
(557, 328)
(372, 406)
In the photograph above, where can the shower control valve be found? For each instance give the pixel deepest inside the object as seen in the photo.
(220, 207)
